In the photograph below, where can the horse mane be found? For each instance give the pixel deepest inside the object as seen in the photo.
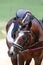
(38, 20)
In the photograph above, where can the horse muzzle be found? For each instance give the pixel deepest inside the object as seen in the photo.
(11, 52)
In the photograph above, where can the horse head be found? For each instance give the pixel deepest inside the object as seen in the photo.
(22, 41)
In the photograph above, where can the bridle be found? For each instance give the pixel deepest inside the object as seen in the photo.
(22, 47)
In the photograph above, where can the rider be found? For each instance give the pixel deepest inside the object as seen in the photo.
(21, 15)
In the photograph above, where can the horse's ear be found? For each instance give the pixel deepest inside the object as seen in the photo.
(29, 24)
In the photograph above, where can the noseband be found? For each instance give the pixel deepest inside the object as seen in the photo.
(21, 47)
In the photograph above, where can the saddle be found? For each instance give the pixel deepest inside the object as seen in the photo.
(41, 23)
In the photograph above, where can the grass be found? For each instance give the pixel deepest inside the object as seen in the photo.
(8, 9)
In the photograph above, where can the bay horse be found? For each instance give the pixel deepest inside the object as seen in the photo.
(35, 35)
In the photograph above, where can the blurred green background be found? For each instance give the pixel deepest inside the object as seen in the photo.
(8, 10)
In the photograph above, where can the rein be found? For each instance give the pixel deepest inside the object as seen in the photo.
(36, 43)
(21, 48)
(31, 50)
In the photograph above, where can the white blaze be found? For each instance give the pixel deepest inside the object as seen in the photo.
(20, 34)
(9, 37)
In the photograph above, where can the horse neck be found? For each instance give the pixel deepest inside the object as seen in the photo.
(36, 27)
(36, 24)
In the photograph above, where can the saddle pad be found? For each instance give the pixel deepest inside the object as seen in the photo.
(41, 23)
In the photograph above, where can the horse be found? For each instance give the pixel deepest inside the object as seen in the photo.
(33, 34)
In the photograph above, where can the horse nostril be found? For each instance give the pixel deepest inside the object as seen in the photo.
(10, 53)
